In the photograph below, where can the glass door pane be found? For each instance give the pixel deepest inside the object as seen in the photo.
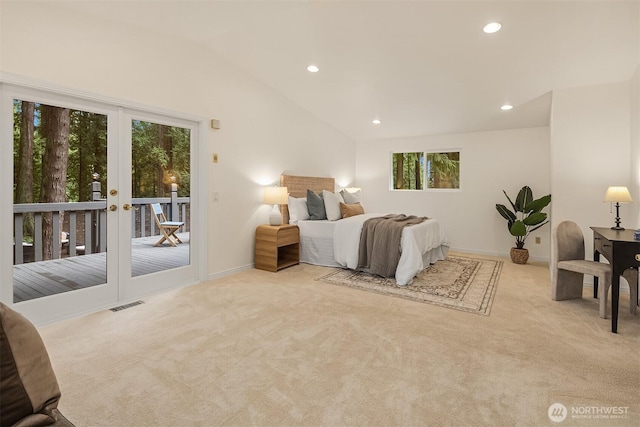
(160, 197)
(59, 210)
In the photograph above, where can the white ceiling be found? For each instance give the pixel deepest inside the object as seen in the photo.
(422, 67)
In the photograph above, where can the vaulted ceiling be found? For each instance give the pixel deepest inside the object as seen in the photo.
(421, 67)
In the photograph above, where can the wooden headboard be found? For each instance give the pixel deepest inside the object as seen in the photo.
(297, 186)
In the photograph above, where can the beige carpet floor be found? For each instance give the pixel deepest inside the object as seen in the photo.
(282, 349)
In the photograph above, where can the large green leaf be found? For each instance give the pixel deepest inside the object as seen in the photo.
(518, 228)
(525, 196)
(538, 204)
(506, 213)
(509, 199)
(535, 218)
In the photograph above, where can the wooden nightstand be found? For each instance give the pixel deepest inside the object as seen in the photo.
(277, 246)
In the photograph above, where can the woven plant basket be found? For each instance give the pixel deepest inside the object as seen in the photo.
(519, 256)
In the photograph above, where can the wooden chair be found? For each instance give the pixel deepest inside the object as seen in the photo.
(167, 228)
(569, 267)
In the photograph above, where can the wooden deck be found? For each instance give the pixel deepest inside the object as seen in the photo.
(38, 279)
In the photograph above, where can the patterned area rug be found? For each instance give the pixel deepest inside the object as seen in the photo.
(461, 283)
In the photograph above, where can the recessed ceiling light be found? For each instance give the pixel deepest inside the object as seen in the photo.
(313, 69)
(506, 107)
(376, 121)
(492, 27)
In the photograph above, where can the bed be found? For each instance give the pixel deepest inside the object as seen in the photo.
(336, 243)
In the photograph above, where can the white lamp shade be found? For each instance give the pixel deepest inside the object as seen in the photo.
(275, 196)
(618, 194)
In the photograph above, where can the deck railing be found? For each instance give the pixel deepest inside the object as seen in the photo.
(84, 228)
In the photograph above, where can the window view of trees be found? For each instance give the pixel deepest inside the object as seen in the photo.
(407, 171)
(58, 152)
(160, 155)
(443, 170)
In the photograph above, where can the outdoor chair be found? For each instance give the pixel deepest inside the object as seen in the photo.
(167, 228)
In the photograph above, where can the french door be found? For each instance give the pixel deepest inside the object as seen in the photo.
(158, 169)
(85, 177)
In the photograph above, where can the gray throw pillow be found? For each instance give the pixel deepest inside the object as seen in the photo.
(351, 198)
(315, 205)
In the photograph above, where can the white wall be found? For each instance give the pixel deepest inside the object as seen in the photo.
(590, 146)
(635, 149)
(491, 162)
(262, 134)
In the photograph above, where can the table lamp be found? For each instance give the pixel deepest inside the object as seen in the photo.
(617, 195)
(275, 196)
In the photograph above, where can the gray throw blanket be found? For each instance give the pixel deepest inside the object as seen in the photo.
(380, 243)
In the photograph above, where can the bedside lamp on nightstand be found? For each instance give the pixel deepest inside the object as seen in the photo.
(275, 196)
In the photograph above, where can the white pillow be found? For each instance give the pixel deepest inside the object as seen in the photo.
(297, 209)
(332, 205)
(351, 198)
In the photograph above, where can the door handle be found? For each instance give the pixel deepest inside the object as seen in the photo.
(128, 207)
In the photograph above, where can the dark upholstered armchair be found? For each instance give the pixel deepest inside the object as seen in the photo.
(29, 389)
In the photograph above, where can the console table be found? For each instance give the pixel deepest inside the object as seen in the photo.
(622, 252)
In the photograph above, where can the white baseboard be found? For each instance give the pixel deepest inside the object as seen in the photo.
(230, 272)
(498, 254)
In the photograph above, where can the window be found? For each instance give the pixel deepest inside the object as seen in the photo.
(407, 171)
(425, 170)
(443, 170)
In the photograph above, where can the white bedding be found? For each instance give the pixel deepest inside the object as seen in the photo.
(336, 243)
(316, 242)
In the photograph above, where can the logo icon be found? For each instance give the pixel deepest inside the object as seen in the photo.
(557, 412)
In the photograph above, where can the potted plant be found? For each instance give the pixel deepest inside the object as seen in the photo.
(526, 216)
